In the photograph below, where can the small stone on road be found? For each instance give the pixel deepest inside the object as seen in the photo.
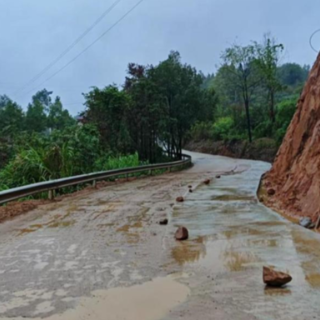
(274, 278)
(182, 234)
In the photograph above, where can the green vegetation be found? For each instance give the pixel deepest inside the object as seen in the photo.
(154, 111)
(158, 108)
(257, 97)
(120, 128)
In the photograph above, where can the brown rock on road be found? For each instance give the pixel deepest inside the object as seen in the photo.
(182, 234)
(275, 278)
(180, 199)
(164, 222)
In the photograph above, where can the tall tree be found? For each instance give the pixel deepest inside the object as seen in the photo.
(107, 109)
(59, 118)
(292, 74)
(11, 117)
(155, 110)
(268, 55)
(147, 112)
(36, 118)
(12, 122)
(180, 86)
(244, 75)
(228, 93)
(44, 98)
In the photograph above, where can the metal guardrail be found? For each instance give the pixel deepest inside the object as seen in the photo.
(51, 186)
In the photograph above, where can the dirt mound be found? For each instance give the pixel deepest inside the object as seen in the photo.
(295, 175)
(15, 209)
(261, 149)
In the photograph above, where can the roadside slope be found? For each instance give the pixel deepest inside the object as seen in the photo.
(295, 175)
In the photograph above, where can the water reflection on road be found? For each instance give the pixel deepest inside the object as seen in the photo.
(233, 236)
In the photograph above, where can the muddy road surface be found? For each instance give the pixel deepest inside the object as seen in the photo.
(103, 255)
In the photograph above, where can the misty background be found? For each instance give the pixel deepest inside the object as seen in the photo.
(34, 33)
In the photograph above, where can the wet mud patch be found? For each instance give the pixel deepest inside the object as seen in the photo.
(62, 224)
(57, 221)
(263, 243)
(22, 232)
(233, 197)
(139, 302)
(236, 261)
(308, 245)
(14, 209)
(106, 208)
(268, 291)
(313, 279)
(131, 232)
(127, 227)
(105, 225)
(270, 223)
(191, 252)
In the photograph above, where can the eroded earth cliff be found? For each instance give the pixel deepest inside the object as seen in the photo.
(293, 183)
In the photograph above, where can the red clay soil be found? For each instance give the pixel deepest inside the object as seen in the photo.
(14, 209)
(295, 174)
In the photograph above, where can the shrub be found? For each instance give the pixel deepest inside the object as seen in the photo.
(62, 154)
(120, 162)
(285, 112)
(26, 167)
(222, 128)
(264, 129)
(201, 131)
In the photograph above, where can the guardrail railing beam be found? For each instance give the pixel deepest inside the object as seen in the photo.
(53, 185)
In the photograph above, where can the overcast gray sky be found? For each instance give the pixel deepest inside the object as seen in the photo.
(34, 32)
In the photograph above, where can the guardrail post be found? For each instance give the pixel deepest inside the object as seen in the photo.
(94, 183)
(51, 194)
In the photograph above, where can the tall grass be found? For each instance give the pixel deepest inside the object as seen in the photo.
(120, 162)
(60, 154)
(32, 166)
(27, 167)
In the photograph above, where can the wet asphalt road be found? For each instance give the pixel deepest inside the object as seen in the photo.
(73, 254)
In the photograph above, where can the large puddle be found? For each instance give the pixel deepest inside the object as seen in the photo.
(150, 301)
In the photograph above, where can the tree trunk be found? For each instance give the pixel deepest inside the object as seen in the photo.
(246, 103)
(272, 113)
(180, 147)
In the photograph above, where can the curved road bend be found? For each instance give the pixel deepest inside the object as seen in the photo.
(104, 256)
